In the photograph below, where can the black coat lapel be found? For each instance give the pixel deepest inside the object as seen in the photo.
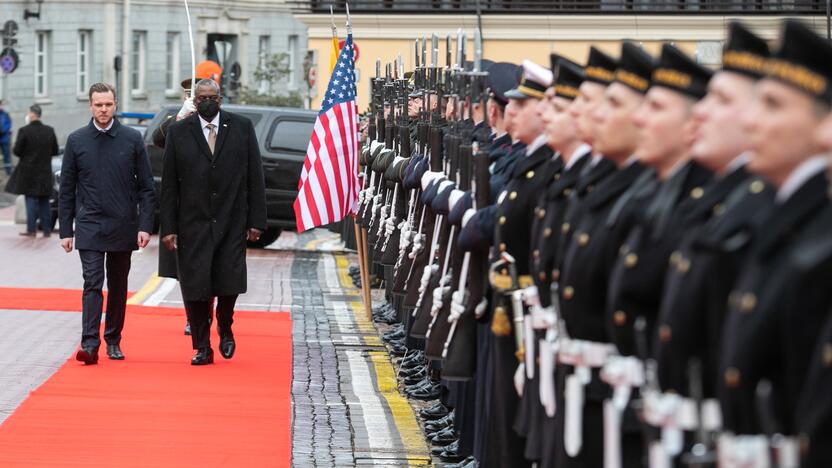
(196, 129)
(527, 163)
(225, 127)
(595, 173)
(784, 218)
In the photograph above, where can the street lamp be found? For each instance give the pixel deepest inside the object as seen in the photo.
(32, 14)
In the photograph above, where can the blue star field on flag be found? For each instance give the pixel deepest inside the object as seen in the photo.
(341, 87)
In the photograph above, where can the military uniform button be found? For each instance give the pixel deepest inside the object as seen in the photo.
(624, 250)
(674, 257)
(631, 260)
(732, 377)
(827, 354)
(547, 232)
(502, 220)
(568, 292)
(697, 193)
(619, 317)
(542, 276)
(541, 213)
(557, 176)
(665, 333)
(555, 274)
(589, 188)
(564, 228)
(567, 192)
(502, 246)
(530, 174)
(583, 239)
(683, 266)
(733, 298)
(512, 195)
(536, 253)
(719, 209)
(756, 187)
(748, 302)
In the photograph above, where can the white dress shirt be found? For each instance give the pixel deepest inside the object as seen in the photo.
(109, 126)
(204, 124)
(800, 175)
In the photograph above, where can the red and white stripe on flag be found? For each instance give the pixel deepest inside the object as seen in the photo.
(328, 186)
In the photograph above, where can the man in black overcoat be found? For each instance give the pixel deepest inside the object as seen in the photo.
(213, 200)
(106, 212)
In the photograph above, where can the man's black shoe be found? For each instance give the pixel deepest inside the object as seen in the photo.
(202, 357)
(87, 355)
(469, 462)
(437, 411)
(450, 456)
(398, 350)
(439, 424)
(445, 437)
(414, 379)
(415, 370)
(188, 328)
(437, 451)
(227, 347)
(114, 352)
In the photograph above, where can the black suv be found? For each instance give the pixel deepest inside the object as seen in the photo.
(283, 134)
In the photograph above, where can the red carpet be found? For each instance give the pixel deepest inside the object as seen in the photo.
(67, 300)
(155, 410)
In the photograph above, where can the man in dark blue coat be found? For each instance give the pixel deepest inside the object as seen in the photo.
(107, 191)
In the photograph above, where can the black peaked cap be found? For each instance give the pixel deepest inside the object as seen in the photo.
(568, 78)
(677, 71)
(804, 61)
(600, 67)
(635, 68)
(744, 52)
(502, 77)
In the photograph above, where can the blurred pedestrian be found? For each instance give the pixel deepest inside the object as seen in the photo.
(35, 145)
(5, 138)
(107, 191)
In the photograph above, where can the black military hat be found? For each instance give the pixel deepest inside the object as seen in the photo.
(635, 68)
(744, 52)
(568, 78)
(600, 67)
(680, 73)
(535, 80)
(804, 61)
(502, 77)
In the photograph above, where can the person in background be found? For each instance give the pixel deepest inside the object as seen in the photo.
(35, 145)
(5, 138)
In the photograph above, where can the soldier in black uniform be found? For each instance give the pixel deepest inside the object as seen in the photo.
(705, 266)
(607, 216)
(514, 209)
(781, 299)
(561, 136)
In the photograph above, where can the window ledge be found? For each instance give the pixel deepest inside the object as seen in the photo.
(81, 97)
(43, 101)
(138, 95)
(173, 93)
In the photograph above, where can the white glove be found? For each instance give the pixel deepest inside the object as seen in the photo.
(457, 306)
(418, 245)
(520, 378)
(404, 238)
(390, 226)
(187, 109)
(423, 283)
(436, 305)
(479, 310)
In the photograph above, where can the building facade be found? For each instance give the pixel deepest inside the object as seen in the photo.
(141, 46)
(514, 30)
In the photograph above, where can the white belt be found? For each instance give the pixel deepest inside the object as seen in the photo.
(584, 355)
(623, 373)
(670, 409)
(581, 353)
(737, 451)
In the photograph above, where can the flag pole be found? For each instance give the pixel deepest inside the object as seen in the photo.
(193, 52)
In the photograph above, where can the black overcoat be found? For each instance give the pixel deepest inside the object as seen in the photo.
(210, 201)
(106, 189)
(35, 145)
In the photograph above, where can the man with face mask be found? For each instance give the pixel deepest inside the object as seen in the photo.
(706, 264)
(212, 202)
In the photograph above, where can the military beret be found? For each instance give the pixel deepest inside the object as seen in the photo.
(568, 77)
(804, 61)
(680, 73)
(502, 77)
(744, 52)
(635, 68)
(600, 67)
(534, 82)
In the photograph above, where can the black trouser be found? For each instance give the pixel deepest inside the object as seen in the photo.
(117, 268)
(200, 311)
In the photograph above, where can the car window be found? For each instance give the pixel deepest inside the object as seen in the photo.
(290, 135)
(255, 118)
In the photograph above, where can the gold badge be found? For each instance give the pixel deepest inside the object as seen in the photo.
(630, 260)
(583, 239)
(568, 292)
(500, 324)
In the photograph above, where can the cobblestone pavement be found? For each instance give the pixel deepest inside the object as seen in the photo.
(346, 407)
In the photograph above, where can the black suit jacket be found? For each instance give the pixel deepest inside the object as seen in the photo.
(35, 145)
(210, 200)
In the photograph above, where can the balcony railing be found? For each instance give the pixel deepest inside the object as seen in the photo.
(716, 7)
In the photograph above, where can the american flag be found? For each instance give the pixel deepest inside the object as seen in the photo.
(328, 187)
